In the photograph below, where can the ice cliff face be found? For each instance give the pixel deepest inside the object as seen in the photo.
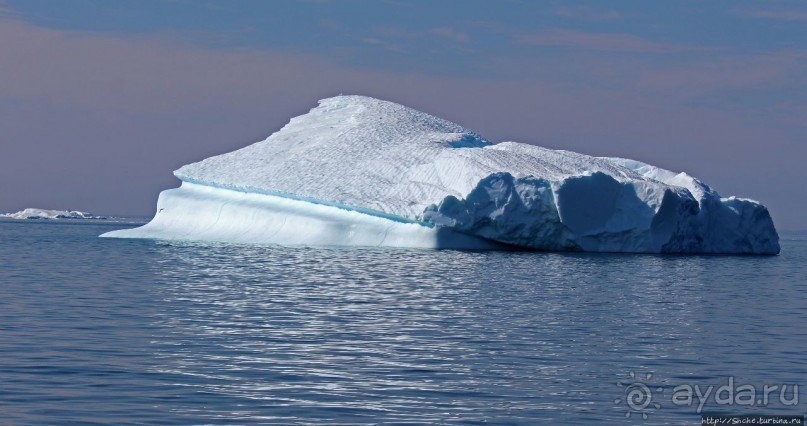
(358, 170)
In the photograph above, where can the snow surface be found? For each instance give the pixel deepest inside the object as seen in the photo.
(355, 165)
(31, 213)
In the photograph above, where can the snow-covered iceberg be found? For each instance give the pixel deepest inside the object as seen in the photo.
(32, 213)
(362, 171)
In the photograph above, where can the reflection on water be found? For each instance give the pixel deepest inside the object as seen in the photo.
(134, 331)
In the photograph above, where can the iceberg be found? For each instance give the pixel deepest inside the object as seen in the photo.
(362, 171)
(32, 213)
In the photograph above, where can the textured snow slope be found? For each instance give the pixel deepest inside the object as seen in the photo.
(381, 160)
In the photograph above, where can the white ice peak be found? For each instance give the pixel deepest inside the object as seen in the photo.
(383, 160)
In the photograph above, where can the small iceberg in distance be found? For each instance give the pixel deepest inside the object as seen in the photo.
(32, 213)
(362, 171)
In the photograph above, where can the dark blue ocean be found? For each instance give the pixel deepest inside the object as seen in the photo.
(151, 332)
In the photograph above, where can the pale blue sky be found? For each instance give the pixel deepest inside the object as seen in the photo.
(101, 99)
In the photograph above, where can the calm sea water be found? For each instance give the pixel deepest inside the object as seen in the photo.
(146, 332)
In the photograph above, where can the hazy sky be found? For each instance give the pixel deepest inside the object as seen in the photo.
(100, 100)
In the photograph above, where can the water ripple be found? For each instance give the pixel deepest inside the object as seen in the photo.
(179, 333)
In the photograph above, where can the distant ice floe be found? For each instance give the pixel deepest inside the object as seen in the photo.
(31, 213)
(362, 171)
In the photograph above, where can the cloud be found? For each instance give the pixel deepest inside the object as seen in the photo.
(451, 34)
(742, 72)
(329, 24)
(395, 32)
(779, 15)
(606, 42)
(402, 34)
(137, 73)
(5, 11)
(382, 43)
(585, 13)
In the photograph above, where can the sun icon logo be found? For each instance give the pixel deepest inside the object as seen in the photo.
(638, 396)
